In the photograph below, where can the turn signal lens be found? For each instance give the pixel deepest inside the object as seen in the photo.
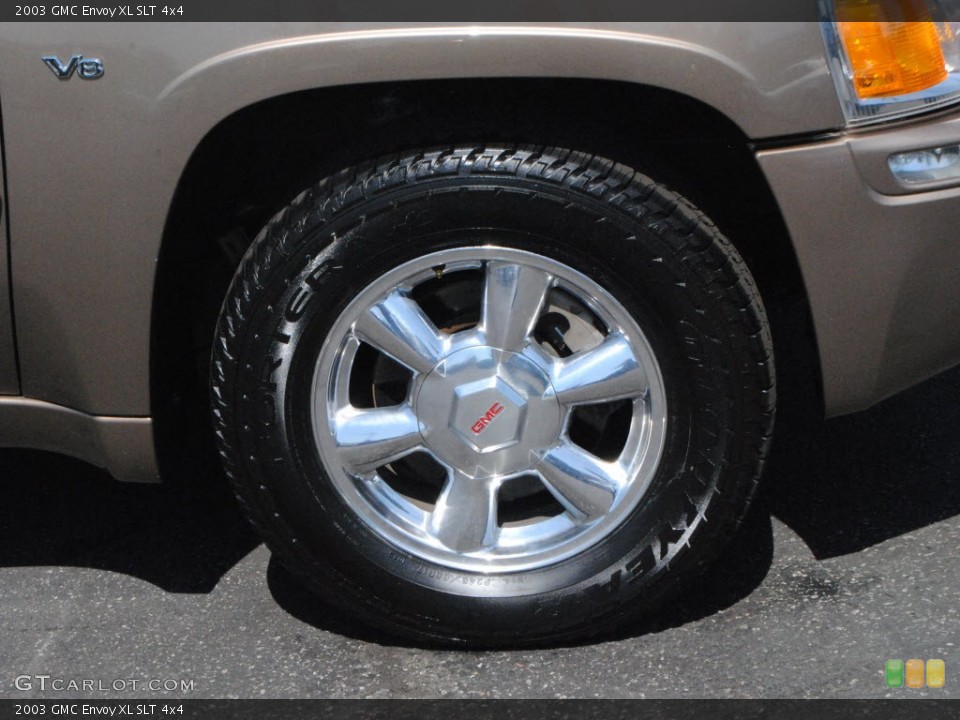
(892, 58)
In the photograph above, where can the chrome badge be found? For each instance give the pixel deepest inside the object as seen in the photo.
(85, 68)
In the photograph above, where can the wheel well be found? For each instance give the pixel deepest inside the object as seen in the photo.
(255, 161)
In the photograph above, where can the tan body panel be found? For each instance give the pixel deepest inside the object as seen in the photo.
(92, 165)
(882, 269)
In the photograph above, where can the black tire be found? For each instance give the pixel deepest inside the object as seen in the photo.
(659, 256)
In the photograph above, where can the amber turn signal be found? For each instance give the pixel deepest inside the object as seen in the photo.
(893, 47)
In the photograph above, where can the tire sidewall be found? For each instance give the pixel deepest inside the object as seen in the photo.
(335, 260)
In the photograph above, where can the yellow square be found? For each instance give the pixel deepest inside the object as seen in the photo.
(936, 673)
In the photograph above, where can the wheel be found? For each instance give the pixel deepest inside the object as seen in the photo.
(493, 396)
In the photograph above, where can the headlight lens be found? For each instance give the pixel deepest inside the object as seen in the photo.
(892, 58)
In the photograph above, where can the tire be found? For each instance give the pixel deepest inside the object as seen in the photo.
(633, 266)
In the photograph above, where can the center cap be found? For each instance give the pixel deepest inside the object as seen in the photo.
(488, 412)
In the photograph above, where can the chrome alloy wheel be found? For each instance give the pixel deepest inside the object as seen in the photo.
(485, 446)
(489, 408)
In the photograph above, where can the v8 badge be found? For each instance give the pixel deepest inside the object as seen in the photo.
(85, 68)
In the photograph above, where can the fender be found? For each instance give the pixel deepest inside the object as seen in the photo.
(123, 155)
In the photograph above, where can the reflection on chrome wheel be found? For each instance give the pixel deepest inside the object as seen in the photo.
(494, 396)
(492, 407)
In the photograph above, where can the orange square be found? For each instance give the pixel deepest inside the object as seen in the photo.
(914, 673)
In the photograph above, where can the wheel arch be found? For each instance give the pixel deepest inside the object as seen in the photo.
(242, 172)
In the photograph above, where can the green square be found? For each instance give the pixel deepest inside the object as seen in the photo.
(894, 673)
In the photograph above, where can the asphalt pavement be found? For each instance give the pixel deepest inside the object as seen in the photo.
(848, 559)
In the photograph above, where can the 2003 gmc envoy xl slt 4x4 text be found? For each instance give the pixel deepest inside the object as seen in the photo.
(485, 315)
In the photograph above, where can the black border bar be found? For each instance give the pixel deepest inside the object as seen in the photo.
(490, 709)
(421, 11)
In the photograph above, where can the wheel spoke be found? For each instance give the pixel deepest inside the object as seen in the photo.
(583, 483)
(398, 326)
(367, 439)
(609, 371)
(465, 517)
(513, 296)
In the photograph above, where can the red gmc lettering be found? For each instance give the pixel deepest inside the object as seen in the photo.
(487, 418)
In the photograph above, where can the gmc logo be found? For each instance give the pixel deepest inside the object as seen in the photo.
(487, 418)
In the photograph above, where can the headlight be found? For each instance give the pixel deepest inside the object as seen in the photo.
(892, 58)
